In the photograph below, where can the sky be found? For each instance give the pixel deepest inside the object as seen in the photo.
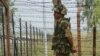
(32, 11)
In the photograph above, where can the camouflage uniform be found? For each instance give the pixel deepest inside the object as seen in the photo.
(60, 43)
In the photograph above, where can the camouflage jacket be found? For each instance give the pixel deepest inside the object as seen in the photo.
(59, 42)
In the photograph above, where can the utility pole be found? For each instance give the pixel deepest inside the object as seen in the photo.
(8, 31)
(6, 6)
(79, 5)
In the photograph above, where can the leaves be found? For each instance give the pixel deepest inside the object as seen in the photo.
(92, 18)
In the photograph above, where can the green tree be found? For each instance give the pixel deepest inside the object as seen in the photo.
(91, 12)
(87, 12)
(93, 20)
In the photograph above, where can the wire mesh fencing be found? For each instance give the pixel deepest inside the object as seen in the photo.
(25, 40)
(27, 30)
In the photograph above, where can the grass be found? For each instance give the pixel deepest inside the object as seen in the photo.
(86, 46)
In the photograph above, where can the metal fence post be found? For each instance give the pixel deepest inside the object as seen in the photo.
(42, 37)
(20, 36)
(31, 39)
(26, 39)
(3, 37)
(94, 40)
(14, 41)
(37, 36)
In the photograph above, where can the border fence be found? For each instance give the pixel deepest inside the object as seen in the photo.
(28, 40)
(24, 40)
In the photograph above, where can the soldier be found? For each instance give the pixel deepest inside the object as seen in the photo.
(62, 40)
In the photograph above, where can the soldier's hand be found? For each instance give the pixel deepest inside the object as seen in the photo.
(74, 50)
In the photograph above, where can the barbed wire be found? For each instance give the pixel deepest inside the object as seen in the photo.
(27, 11)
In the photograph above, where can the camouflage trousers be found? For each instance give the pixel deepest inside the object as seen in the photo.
(61, 47)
